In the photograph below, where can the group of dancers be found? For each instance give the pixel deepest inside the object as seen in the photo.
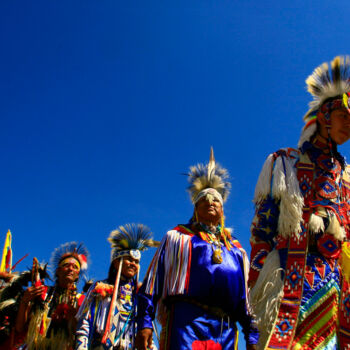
(292, 293)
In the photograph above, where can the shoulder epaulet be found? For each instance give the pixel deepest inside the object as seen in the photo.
(278, 179)
(183, 229)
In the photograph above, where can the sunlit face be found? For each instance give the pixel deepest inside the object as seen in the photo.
(67, 272)
(130, 266)
(340, 126)
(209, 212)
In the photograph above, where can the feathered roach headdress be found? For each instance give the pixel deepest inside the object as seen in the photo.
(70, 249)
(130, 240)
(329, 84)
(210, 179)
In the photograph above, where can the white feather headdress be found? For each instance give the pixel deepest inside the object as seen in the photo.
(211, 175)
(327, 81)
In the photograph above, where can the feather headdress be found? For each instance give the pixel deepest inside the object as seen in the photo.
(130, 240)
(210, 176)
(328, 82)
(70, 249)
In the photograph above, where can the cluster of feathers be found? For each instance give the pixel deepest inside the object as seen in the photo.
(131, 236)
(211, 175)
(78, 251)
(11, 295)
(328, 80)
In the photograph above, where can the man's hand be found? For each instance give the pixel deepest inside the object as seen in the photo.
(144, 339)
(31, 293)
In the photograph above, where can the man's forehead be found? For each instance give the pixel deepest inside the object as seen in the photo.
(69, 260)
(130, 258)
(342, 110)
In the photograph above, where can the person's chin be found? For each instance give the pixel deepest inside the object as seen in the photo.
(341, 140)
(342, 137)
(130, 274)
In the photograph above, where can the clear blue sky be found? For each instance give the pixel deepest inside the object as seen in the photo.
(104, 104)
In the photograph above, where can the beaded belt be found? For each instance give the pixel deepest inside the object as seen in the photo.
(213, 310)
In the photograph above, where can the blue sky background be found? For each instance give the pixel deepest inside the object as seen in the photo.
(104, 104)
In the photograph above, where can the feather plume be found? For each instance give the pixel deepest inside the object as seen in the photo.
(131, 237)
(327, 81)
(5, 304)
(263, 186)
(211, 175)
(211, 164)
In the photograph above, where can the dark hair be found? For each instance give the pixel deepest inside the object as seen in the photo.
(112, 273)
(330, 99)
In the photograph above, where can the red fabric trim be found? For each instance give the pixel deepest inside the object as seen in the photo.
(184, 230)
(205, 345)
(187, 282)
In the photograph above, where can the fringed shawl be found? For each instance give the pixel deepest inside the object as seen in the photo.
(175, 250)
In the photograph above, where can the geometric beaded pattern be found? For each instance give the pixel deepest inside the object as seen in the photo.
(318, 316)
(288, 312)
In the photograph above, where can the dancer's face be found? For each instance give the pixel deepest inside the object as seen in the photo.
(340, 126)
(67, 272)
(130, 266)
(209, 212)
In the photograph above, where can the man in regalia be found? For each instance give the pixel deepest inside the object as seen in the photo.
(47, 314)
(106, 319)
(300, 232)
(196, 281)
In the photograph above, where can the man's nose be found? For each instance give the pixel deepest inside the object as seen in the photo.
(71, 267)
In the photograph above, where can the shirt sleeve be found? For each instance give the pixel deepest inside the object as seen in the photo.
(244, 312)
(83, 332)
(83, 322)
(278, 207)
(151, 290)
(247, 322)
(263, 233)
